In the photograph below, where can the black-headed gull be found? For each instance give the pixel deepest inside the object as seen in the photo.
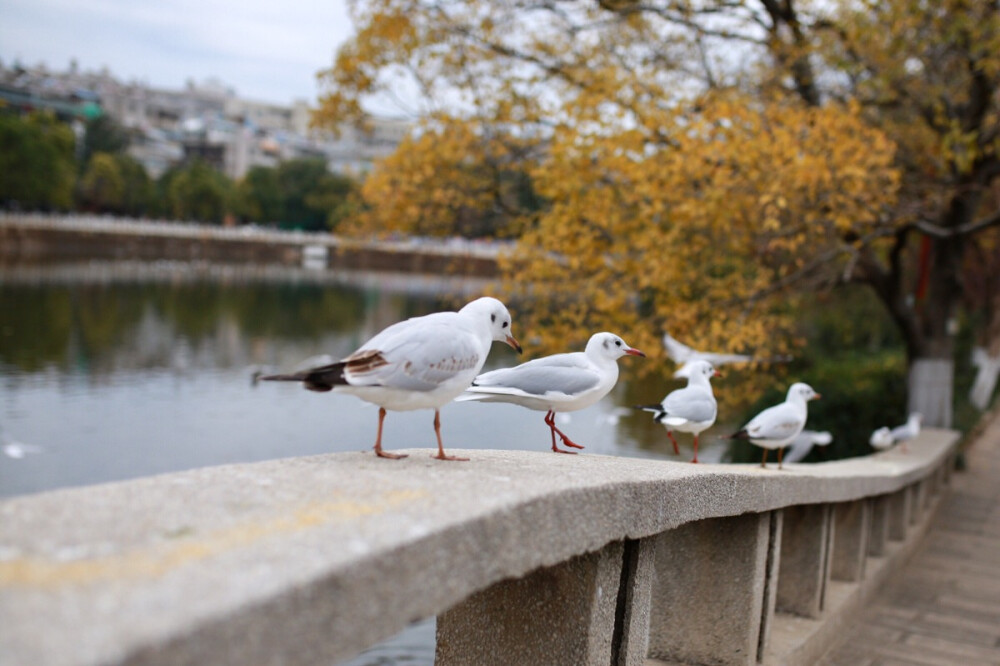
(804, 443)
(420, 363)
(909, 430)
(881, 439)
(690, 409)
(557, 383)
(683, 355)
(776, 427)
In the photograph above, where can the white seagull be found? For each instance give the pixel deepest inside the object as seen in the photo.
(683, 355)
(907, 431)
(690, 409)
(804, 443)
(420, 363)
(557, 383)
(776, 427)
(881, 439)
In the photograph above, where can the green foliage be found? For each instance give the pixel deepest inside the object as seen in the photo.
(103, 134)
(37, 166)
(299, 194)
(259, 195)
(139, 197)
(102, 187)
(198, 192)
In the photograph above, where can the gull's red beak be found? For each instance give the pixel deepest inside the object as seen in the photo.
(510, 340)
(717, 374)
(634, 352)
(816, 396)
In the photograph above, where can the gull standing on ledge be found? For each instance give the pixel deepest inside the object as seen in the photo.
(881, 439)
(420, 363)
(690, 409)
(776, 427)
(907, 431)
(557, 383)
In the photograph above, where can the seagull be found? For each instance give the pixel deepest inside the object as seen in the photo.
(690, 409)
(683, 355)
(557, 383)
(881, 439)
(804, 443)
(908, 430)
(776, 427)
(419, 363)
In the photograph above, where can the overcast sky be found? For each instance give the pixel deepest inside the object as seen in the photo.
(268, 50)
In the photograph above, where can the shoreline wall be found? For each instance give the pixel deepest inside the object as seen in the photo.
(39, 239)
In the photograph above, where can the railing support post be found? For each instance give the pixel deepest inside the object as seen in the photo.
(563, 614)
(708, 592)
(880, 526)
(806, 542)
(899, 514)
(850, 543)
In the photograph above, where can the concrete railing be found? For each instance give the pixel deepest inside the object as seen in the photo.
(525, 558)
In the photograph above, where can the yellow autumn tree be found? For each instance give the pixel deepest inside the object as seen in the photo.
(702, 163)
(454, 178)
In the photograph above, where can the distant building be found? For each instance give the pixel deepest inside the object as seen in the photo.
(206, 121)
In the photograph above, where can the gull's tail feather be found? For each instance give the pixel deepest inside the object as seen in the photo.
(656, 410)
(323, 378)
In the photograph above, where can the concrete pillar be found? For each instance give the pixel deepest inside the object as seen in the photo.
(708, 591)
(806, 542)
(852, 528)
(916, 502)
(564, 614)
(770, 581)
(880, 526)
(630, 640)
(899, 514)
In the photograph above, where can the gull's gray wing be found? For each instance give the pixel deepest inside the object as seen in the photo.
(691, 404)
(563, 373)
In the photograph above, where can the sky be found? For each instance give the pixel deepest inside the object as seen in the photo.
(267, 50)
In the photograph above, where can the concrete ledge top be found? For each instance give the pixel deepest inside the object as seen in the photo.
(248, 563)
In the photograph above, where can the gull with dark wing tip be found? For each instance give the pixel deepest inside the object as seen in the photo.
(776, 427)
(684, 356)
(557, 383)
(420, 363)
(690, 409)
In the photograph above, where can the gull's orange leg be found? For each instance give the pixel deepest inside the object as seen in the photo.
(378, 439)
(437, 431)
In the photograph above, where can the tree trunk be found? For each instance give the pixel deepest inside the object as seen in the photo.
(931, 382)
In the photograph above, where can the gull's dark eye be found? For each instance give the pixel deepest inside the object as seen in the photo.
(493, 318)
(618, 342)
(505, 324)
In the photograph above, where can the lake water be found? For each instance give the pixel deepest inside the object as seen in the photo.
(110, 371)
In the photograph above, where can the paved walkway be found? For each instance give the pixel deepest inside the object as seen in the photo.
(943, 607)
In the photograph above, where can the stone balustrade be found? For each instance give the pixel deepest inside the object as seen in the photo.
(523, 557)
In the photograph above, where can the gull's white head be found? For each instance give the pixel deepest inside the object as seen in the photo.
(699, 369)
(495, 315)
(800, 392)
(610, 346)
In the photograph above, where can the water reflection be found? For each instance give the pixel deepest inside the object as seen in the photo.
(115, 371)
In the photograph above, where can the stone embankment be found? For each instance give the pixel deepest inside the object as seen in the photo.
(33, 238)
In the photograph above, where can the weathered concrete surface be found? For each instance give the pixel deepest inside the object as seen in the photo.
(806, 546)
(880, 526)
(943, 607)
(310, 560)
(852, 528)
(707, 600)
(562, 616)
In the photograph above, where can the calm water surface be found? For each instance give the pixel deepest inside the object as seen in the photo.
(113, 371)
